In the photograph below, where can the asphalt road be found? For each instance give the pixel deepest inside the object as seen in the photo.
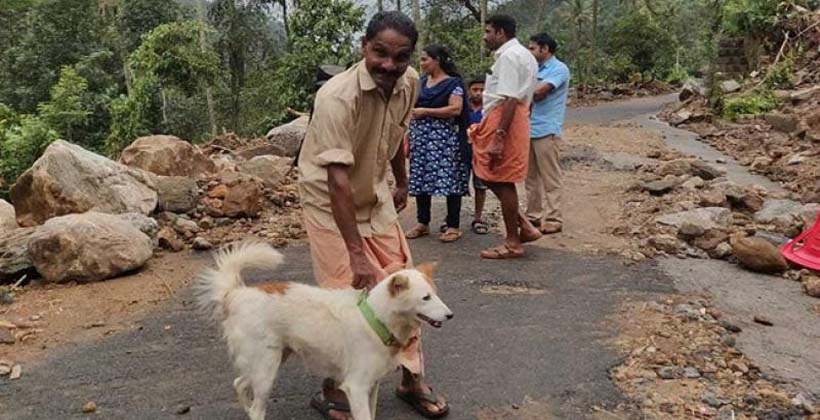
(550, 345)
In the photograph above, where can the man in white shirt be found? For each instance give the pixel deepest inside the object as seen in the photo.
(501, 143)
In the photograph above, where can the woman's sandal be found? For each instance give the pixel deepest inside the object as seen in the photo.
(450, 236)
(502, 252)
(325, 406)
(417, 399)
(417, 232)
(480, 227)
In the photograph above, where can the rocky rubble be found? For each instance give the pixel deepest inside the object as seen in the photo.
(681, 362)
(88, 218)
(676, 211)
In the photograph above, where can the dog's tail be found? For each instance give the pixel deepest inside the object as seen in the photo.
(214, 285)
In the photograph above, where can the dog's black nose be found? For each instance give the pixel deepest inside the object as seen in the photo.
(450, 316)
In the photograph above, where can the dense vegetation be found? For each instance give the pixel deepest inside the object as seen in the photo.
(102, 72)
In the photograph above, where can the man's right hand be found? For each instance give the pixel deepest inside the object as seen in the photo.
(364, 274)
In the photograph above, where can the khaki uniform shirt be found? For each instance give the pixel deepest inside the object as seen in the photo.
(354, 124)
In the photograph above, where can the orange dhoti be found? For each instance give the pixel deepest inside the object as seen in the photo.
(512, 167)
(388, 252)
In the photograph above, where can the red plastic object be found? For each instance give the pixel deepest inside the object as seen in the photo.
(804, 250)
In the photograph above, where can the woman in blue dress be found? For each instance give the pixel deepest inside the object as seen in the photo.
(439, 153)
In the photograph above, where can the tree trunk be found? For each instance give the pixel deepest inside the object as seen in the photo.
(483, 22)
(417, 20)
(209, 98)
(380, 5)
(284, 4)
(398, 5)
(594, 41)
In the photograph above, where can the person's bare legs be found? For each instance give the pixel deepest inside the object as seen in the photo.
(508, 196)
(480, 199)
(333, 393)
(415, 383)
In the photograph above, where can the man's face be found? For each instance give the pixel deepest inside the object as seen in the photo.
(476, 93)
(541, 53)
(494, 38)
(386, 57)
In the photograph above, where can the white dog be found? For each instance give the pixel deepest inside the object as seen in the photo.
(350, 336)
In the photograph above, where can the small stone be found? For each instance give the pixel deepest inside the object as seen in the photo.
(728, 326)
(89, 407)
(691, 230)
(668, 372)
(6, 298)
(805, 402)
(202, 244)
(728, 340)
(691, 372)
(738, 366)
(183, 409)
(16, 372)
(712, 401)
(763, 321)
(722, 251)
(6, 337)
(811, 285)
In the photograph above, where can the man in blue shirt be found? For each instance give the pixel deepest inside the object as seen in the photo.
(543, 183)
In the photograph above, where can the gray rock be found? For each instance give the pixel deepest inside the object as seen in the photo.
(690, 230)
(706, 218)
(728, 340)
(69, 179)
(729, 326)
(805, 402)
(186, 226)
(288, 137)
(712, 401)
(88, 247)
(729, 86)
(691, 372)
(785, 123)
(661, 187)
(202, 244)
(692, 87)
(668, 372)
(177, 194)
(705, 171)
(270, 169)
(167, 156)
(144, 224)
(666, 243)
(772, 209)
(722, 251)
(14, 257)
(694, 183)
(776, 239)
(8, 218)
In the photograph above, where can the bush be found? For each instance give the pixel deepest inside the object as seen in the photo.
(21, 144)
(748, 104)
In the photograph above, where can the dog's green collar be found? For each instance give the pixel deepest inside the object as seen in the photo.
(378, 327)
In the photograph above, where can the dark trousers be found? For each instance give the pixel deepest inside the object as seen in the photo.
(424, 204)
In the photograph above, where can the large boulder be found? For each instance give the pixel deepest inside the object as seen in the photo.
(705, 218)
(69, 179)
(289, 136)
(167, 155)
(8, 218)
(270, 169)
(779, 212)
(692, 87)
(177, 194)
(88, 247)
(758, 254)
(243, 198)
(14, 258)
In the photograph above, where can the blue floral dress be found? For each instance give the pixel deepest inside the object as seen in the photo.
(437, 165)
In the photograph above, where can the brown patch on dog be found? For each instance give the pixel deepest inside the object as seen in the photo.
(398, 284)
(428, 269)
(274, 288)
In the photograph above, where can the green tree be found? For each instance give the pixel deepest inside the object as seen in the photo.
(170, 58)
(22, 140)
(65, 112)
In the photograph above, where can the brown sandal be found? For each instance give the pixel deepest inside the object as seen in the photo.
(417, 399)
(450, 236)
(502, 252)
(417, 232)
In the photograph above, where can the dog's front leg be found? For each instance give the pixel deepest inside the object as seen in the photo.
(359, 398)
(374, 398)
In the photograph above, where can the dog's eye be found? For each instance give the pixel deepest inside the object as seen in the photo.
(428, 297)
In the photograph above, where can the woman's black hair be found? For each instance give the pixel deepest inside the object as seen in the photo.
(440, 54)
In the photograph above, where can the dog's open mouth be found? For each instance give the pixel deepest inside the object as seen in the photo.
(433, 323)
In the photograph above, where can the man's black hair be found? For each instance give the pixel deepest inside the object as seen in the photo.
(544, 40)
(394, 20)
(505, 23)
(474, 80)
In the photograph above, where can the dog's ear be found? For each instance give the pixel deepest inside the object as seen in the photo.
(398, 284)
(427, 269)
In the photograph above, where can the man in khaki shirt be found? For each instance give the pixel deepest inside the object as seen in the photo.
(351, 217)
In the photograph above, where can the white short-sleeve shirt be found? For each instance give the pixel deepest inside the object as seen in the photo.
(513, 75)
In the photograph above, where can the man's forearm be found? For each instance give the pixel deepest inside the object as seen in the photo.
(507, 113)
(344, 212)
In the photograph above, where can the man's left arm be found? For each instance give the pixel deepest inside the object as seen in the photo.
(549, 83)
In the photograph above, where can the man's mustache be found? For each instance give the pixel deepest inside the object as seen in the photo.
(395, 73)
